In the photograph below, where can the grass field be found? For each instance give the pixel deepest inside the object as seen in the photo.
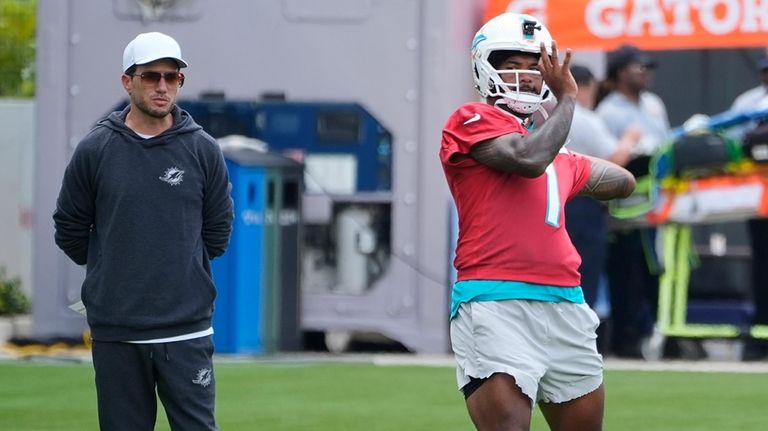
(320, 396)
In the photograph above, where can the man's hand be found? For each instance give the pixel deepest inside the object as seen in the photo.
(558, 76)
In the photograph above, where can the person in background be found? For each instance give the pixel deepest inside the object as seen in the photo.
(586, 216)
(752, 100)
(521, 331)
(145, 204)
(632, 267)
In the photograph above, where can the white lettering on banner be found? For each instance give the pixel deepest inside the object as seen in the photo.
(647, 12)
(616, 18)
(605, 18)
(754, 15)
(537, 8)
(681, 13)
(727, 24)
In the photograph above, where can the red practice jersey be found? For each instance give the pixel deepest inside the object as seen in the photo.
(510, 227)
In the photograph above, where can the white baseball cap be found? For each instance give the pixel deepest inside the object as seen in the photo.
(148, 47)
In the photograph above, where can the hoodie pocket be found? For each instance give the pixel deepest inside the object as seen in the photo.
(202, 274)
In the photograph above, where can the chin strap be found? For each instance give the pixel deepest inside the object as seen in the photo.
(543, 112)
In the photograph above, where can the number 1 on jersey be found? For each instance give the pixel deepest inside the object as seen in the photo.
(553, 197)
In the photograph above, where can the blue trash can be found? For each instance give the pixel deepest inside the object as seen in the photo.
(247, 308)
(238, 273)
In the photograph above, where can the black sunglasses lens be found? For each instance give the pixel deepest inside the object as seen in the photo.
(151, 77)
(171, 78)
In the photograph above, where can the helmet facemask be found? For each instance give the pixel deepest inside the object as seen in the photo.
(518, 94)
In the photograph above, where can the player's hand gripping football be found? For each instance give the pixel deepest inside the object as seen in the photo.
(557, 76)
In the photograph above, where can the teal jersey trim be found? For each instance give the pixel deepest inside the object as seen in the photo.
(501, 290)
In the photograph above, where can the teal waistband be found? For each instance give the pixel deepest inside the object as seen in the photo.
(500, 290)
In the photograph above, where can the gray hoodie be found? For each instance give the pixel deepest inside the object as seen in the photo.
(146, 215)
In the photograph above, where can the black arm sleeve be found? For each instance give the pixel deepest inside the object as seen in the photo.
(217, 208)
(74, 214)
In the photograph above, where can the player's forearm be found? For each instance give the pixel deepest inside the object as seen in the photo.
(545, 142)
(529, 155)
(608, 181)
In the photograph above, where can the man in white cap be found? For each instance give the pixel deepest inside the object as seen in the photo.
(145, 204)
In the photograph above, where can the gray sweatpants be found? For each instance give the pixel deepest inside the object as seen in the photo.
(127, 376)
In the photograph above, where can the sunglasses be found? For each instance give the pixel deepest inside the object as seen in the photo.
(153, 78)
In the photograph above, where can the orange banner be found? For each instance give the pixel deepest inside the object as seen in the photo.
(648, 24)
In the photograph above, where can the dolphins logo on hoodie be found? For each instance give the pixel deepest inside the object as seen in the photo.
(173, 176)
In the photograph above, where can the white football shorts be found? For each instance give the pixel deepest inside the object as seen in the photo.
(548, 347)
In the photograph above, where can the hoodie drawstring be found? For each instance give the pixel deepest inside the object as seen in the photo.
(165, 351)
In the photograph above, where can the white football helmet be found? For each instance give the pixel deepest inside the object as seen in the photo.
(509, 32)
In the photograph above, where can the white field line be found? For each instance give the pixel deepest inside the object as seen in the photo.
(446, 360)
(703, 366)
(610, 364)
(426, 360)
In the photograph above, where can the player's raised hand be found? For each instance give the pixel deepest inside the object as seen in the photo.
(557, 76)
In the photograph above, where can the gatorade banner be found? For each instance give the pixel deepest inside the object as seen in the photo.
(648, 24)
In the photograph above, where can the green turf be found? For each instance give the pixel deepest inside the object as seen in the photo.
(343, 396)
